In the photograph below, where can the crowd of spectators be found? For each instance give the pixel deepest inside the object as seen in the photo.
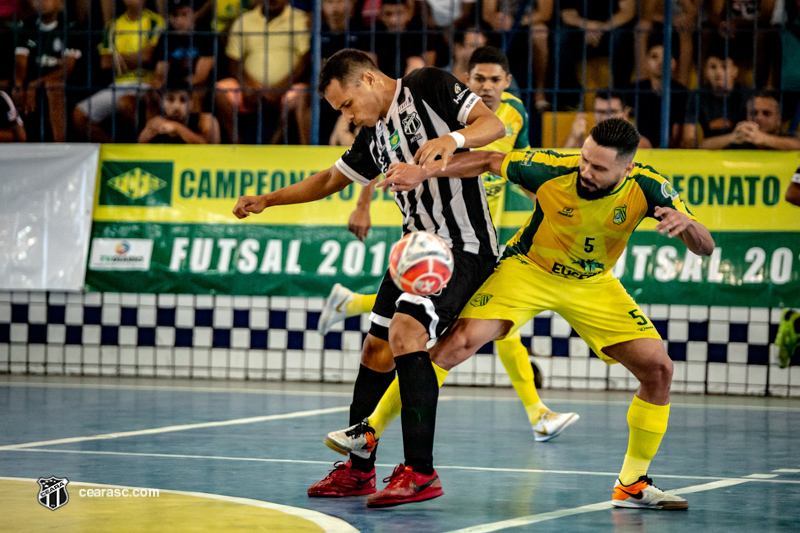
(239, 71)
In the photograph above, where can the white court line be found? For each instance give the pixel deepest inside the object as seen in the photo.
(386, 465)
(350, 394)
(600, 506)
(328, 523)
(171, 389)
(185, 427)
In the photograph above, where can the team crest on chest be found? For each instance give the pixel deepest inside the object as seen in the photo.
(620, 214)
(411, 123)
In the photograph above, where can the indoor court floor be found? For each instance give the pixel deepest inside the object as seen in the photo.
(240, 456)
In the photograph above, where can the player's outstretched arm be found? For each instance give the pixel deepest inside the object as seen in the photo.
(315, 187)
(359, 222)
(405, 177)
(694, 235)
(484, 127)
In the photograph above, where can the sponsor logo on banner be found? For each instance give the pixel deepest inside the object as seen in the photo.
(121, 254)
(136, 183)
(53, 492)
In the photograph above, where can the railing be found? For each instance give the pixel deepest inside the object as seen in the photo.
(560, 64)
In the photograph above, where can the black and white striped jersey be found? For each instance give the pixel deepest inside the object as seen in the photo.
(428, 103)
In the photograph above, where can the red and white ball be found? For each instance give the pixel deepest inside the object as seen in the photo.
(421, 263)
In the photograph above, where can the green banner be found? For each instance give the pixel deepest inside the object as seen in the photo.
(163, 223)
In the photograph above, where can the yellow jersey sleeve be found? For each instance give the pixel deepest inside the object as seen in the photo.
(532, 169)
(658, 192)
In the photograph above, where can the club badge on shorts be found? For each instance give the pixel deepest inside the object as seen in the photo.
(53, 492)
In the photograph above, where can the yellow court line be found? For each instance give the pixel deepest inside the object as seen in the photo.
(328, 523)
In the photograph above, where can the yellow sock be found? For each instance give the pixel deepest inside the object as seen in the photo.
(361, 303)
(390, 405)
(514, 357)
(647, 423)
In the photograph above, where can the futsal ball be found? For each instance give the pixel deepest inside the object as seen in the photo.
(421, 263)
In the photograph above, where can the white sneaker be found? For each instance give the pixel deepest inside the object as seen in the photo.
(358, 440)
(551, 424)
(643, 495)
(334, 310)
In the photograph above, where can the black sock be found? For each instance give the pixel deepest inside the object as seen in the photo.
(369, 388)
(419, 392)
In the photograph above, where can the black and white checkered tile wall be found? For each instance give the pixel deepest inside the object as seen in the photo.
(715, 349)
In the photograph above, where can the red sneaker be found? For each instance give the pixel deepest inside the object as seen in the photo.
(344, 480)
(406, 486)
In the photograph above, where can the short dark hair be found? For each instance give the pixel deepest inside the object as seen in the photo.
(656, 38)
(618, 134)
(719, 50)
(767, 93)
(461, 32)
(345, 66)
(609, 94)
(176, 82)
(489, 54)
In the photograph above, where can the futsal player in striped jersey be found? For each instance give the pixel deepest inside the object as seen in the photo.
(425, 117)
(489, 77)
(587, 206)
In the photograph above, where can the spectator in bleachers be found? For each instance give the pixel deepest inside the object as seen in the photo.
(127, 50)
(605, 29)
(464, 44)
(533, 36)
(607, 104)
(719, 104)
(789, 67)
(684, 24)
(44, 63)
(400, 44)
(743, 24)
(649, 94)
(444, 14)
(761, 130)
(181, 54)
(341, 28)
(12, 129)
(179, 125)
(218, 15)
(268, 51)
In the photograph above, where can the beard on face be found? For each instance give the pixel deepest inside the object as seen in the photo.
(586, 194)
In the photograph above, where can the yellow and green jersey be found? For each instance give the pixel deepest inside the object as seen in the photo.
(515, 118)
(126, 36)
(576, 238)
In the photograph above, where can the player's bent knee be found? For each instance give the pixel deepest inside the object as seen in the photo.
(377, 355)
(406, 335)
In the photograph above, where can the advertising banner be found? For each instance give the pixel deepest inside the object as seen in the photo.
(163, 223)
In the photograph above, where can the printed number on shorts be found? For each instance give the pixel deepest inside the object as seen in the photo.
(640, 320)
(588, 246)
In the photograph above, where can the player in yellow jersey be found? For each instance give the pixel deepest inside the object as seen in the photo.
(488, 78)
(587, 206)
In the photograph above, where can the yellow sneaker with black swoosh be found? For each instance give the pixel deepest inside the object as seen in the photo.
(335, 309)
(406, 486)
(643, 495)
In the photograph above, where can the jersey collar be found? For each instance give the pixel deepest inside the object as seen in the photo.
(394, 100)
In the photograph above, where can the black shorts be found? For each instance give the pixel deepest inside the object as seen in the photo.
(436, 313)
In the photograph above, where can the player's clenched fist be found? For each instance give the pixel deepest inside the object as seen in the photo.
(249, 204)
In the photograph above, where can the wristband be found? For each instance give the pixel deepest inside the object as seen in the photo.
(460, 140)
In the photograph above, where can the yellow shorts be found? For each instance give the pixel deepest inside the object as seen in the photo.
(601, 311)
